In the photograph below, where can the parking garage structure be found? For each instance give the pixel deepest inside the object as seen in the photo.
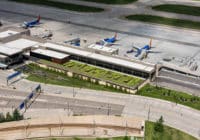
(144, 70)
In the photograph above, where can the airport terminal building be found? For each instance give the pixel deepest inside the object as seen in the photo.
(140, 69)
(15, 48)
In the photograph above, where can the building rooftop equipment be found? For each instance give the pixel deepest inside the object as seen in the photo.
(109, 59)
(51, 53)
(21, 44)
(7, 33)
(102, 48)
(9, 51)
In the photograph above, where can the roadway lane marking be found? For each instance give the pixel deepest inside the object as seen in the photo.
(13, 97)
(3, 102)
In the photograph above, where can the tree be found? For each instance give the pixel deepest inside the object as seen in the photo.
(8, 117)
(126, 138)
(2, 118)
(158, 127)
(17, 116)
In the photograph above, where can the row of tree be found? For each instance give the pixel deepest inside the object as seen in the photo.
(15, 116)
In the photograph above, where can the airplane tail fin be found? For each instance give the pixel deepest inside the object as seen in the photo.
(150, 43)
(39, 18)
(115, 36)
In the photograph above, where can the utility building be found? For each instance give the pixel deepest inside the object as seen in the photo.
(10, 33)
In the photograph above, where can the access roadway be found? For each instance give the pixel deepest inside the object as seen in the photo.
(175, 115)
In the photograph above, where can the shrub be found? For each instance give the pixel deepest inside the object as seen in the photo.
(158, 127)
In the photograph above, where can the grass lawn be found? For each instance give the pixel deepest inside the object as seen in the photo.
(180, 9)
(165, 21)
(103, 74)
(112, 1)
(43, 75)
(170, 95)
(62, 5)
(169, 133)
(96, 72)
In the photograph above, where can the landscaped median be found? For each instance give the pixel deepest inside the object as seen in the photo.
(165, 21)
(170, 95)
(180, 9)
(78, 74)
(62, 5)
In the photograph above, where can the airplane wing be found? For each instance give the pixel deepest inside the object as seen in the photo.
(135, 47)
(113, 44)
(150, 51)
(37, 25)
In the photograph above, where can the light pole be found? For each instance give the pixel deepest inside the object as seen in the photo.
(108, 113)
(149, 111)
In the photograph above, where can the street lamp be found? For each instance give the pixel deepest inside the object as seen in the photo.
(109, 107)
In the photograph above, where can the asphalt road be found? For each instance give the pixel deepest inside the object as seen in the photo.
(86, 101)
(12, 99)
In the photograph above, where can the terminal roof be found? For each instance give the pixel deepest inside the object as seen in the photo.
(21, 44)
(8, 51)
(51, 53)
(108, 59)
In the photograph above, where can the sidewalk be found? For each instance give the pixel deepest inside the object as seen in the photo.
(95, 126)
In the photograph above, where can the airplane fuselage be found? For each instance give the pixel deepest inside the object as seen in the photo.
(146, 47)
(110, 40)
(31, 24)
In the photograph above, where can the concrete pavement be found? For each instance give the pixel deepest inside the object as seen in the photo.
(62, 126)
(106, 21)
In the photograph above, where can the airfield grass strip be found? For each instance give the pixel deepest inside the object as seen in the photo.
(180, 9)
(62, 5)
(170, 95)
(168, 133)
(165, 21)
(112, 1)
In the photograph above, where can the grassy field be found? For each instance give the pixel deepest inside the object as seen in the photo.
(112, 1)
(180, 9)
(42, 75)
(165, 21)
(169, 133)
(170, 95)
(62, 5)
(103, 74)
